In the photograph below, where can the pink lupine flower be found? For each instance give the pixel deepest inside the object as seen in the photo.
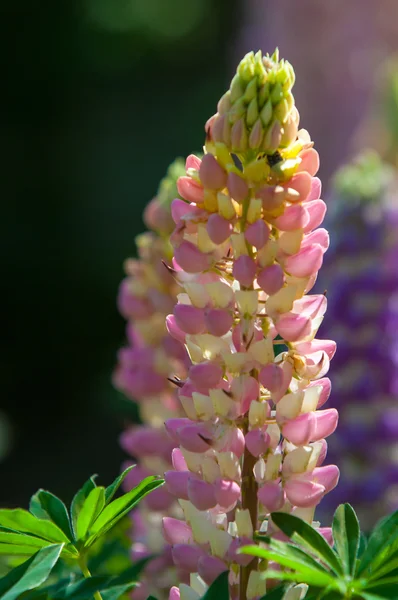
(247, 252)
(146, 296)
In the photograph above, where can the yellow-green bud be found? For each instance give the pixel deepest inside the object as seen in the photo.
(257, 106)
(252, 112)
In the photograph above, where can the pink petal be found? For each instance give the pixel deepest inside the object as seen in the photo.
(237, 187)
(294, 217)
(189, 319)
(244, 270)
(304, 493)
(211, 173)
(190, 258)
(292, 327)
(316, 210)
(218, 228)
(218, 321)
(309, 161)
(190, 189)
(306, 262)
(271, 279)
(257, 234)
(177, 483)
(257, 442)
(176, 531)
(201, 494)
(227, 493)
(272, 496)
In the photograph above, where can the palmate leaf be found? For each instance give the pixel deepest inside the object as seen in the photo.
(79, 498)
(45, 503)
(112, 489)
(296, 553)
(303, 572)
(346, 535)
(219, 589)
(30, 574)
(21, 520)
(54, 509)
(91, 508)
(118, 508)
(382, 545)
(303, 533)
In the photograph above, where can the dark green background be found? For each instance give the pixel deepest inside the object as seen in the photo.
(95, 103)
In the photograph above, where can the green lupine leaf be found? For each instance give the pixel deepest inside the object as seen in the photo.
(296, 552)
(382, 545)
(310, 578)
(23, 539)
(363, 542)
(117, 509)
(300, 531)
(275, 594)
(84, 589)
(114, 593)
(112, 489)
(35, 573)
(91, 508)
(304, 573)
(21, 520)
(14, 576)
(386, 587)
(219, 589)
(79, 498)
(346, 535)
(55, 510)
(36, 509)
(49, 592)
(389, 568)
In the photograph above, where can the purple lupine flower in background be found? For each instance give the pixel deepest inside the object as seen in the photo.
(361, 276)
(247, 250)
(146, 296)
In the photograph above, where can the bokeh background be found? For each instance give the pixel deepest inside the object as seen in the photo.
(98, 97)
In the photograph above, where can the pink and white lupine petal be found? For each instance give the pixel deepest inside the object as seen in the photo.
(257, 234)
(211, 174)
(304, 494)
(306, 262)
(176, 531)
(177, 483)
(218, 321)
(244, 270)
(201, 494)
(218, 228)
(271, 279)
(210, 567)
(186, 556)
(189, 319)
(257, 442)
(272, 496)
(190, 258)
(309, 161)
(190, 189)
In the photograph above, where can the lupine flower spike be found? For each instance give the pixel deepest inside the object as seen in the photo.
(247, 250)
(146, 296)
(362, 280)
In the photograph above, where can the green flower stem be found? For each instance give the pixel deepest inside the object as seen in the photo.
(87, 574)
